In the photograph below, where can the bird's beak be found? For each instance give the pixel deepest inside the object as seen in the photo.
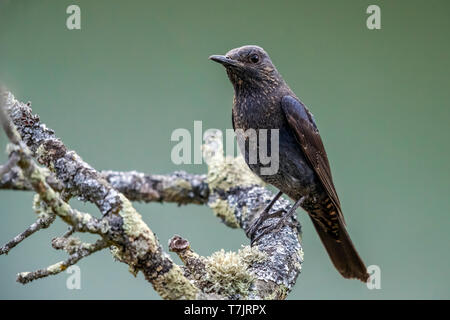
(226, 62)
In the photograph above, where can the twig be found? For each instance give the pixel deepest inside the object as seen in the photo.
(69, 232)
(42, 222)
(195, 264)
(12, 161)
(81, 251)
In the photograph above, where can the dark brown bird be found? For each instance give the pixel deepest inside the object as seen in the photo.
(262, 100)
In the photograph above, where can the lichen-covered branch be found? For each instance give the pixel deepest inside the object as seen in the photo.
(121, 225)
(13, 179)
(267, 270)
(237, 196)
(179, 187)
(223, 273)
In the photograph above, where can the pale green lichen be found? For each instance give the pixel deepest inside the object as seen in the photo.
(73, 244)
(37, 204)
(182, 184)
(133, 224)
(63, 208)
(56, 268)
(223, 210)
(116, 253)
(172, 188)
(40, 151)
(301, 253)
(251, 254)
(283, 291)
(173, 285)
(40, 155)
(227, 172)
(280, 293)
(11, 147)
(298, 262)
(120, 255)
(228, 273)
(23, 274)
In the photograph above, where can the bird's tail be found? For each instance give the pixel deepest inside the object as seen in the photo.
(343, 253)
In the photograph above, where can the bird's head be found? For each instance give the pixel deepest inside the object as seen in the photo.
(249, 67)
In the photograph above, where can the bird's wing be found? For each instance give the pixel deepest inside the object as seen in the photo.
(303, 125)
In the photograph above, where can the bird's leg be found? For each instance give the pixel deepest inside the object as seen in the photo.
(263, 215)
(281, 222)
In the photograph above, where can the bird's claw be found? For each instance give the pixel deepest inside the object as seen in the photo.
(254, 226)
(253, 229)
(283, 221)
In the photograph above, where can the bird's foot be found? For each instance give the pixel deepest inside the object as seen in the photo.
(284, 220)
(263, 216)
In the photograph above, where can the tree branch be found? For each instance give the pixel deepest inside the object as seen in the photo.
(179, 187)
(121, 225)
(268, 270)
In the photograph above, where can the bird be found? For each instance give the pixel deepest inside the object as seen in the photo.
(263, 100)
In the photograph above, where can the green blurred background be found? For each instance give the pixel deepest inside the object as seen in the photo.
(116, 89)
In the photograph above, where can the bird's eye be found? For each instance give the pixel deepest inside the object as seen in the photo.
(254, 58)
